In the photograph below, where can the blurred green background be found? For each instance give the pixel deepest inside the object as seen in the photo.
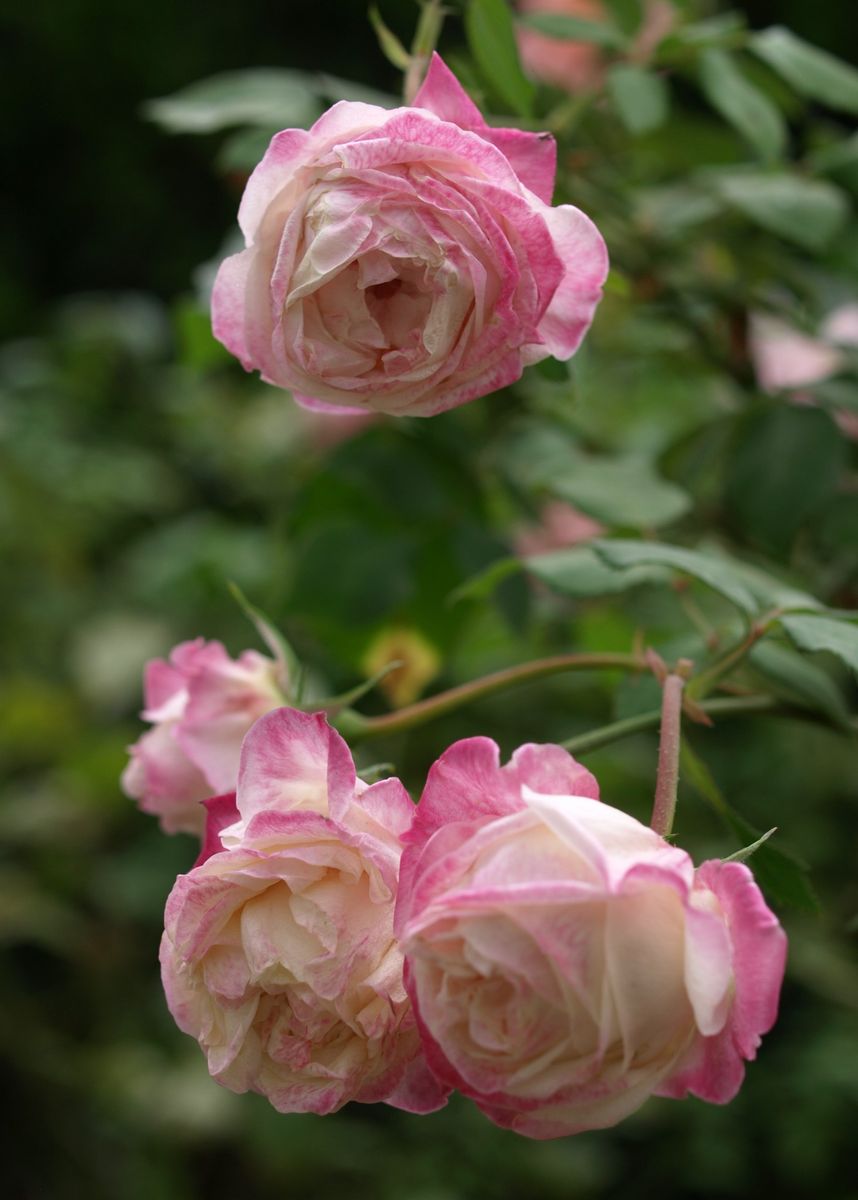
(141, 469)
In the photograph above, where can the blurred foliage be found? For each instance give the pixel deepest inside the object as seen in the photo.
(141, 470)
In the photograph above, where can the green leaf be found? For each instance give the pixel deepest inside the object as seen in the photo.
(672, 210)
(747, 851)
(391, 47)
(742, 104)
(804, 680)
(641, 97)
(709, 569)
(783, 877)
(480, 586)
(277, 643)
(835, 156)
(346, 699)
(837, 394)
(627, 14)
(376, 771)
(620, 491)
(807, 212)
(332, 88)
(811, 633)
(575, 29)
(811, 71)
(267, 97)
(491, 38)
(777, 449)
(243, 149)
(769, 590)
(580, 572)
(725, 29)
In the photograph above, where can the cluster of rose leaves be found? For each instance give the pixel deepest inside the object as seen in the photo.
(510, 936)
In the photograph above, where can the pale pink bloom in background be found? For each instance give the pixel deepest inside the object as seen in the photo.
(564, 961)
(561, 525)
(201, 704)
(841, 325)
(784, 358)
(580, 66)
(408, 260)
(573, 66)
(787, 360)
(278, 954)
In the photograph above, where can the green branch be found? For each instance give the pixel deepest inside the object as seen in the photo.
(726, 707)
(357, 728)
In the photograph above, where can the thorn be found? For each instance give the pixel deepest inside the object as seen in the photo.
(695, 713)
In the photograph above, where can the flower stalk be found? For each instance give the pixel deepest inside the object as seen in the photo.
(425, 40)
(355, 727)
(667, 781)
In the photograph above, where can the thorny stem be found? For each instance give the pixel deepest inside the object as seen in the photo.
(667, 780)
(357, 728)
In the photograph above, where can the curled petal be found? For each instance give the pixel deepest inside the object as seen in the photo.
(291, 761)
(715, 1066)
(584, 255)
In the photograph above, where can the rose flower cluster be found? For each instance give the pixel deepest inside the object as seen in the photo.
(510, 936)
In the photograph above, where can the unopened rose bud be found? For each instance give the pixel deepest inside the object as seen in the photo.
(200, 703)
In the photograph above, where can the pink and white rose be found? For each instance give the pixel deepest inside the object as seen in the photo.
(564, 961)
(278, 953)
(406, 260)
(201, 703)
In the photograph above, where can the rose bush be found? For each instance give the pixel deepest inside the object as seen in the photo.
(406, 260)
(201, 704)
(564, 961)
(278, 953)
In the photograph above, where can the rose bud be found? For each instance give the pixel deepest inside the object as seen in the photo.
(278, 954)
(564, 961)
(201, 704)
(406, 260)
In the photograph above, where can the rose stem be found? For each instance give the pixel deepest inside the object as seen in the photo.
(667, 780)
(356, 727)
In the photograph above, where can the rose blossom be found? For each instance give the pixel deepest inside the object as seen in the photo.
(560, 525)
(785, 359)
(278, 954)
(577, 66)
(201, 704)
(406, 260)
(564, 961)
(573, 66)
